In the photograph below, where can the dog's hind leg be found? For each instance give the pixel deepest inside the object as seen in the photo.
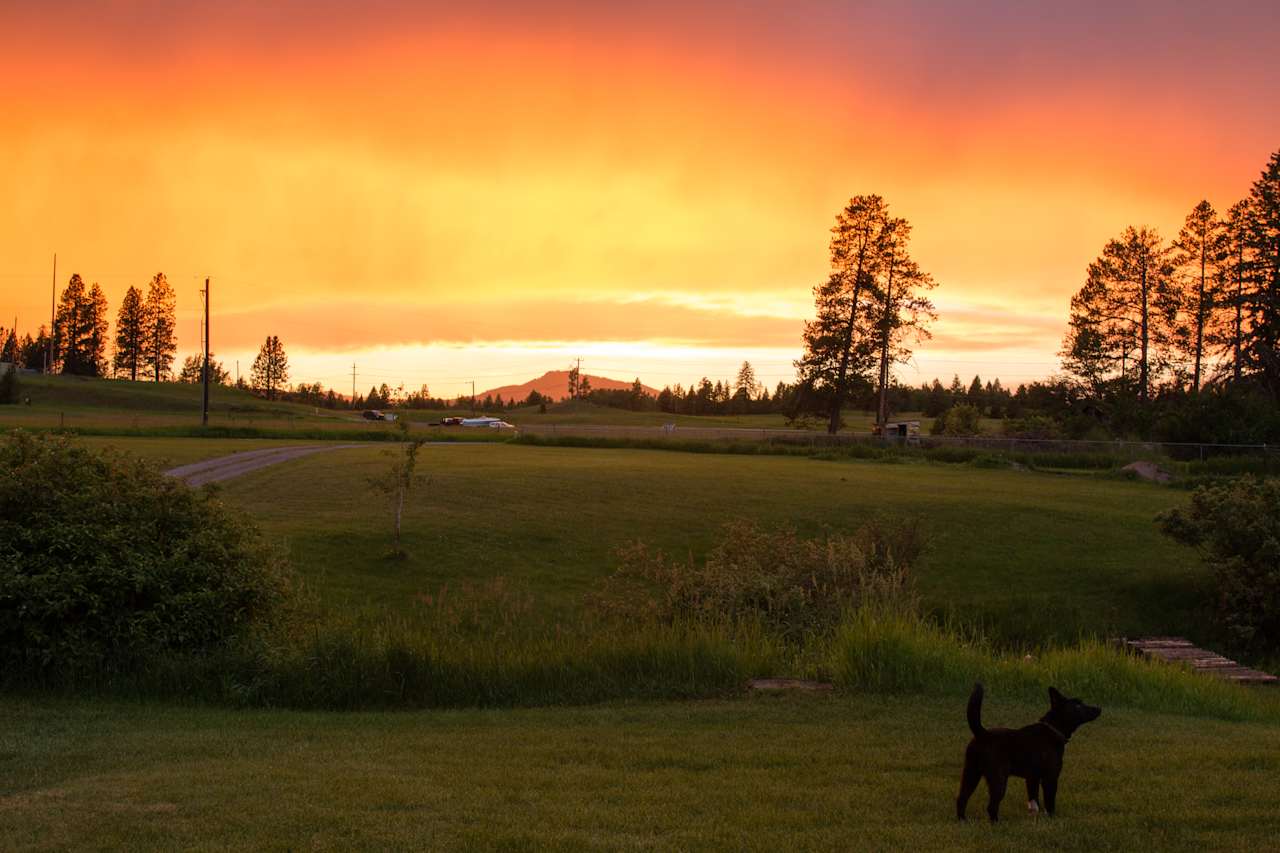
(1033, 795)
(995, 793)
(968, 782)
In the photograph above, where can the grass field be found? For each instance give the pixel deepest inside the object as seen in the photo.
(1007, 546)
(121, 405)
(870, 773)
(1035, 557)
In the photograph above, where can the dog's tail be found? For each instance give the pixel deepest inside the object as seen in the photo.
(975, 711)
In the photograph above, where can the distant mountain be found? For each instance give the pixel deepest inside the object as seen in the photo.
(555, 384)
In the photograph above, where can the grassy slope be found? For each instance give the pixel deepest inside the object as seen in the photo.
(120, 404)
(1037, 554)
(767, 774)
(117, 404)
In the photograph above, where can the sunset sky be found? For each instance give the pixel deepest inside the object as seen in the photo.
(442, 192)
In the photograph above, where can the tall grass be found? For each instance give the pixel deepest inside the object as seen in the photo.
(879, 651)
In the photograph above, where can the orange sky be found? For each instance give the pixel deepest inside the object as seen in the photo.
(490, 189)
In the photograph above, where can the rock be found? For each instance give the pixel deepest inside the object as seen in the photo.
(1148, 471)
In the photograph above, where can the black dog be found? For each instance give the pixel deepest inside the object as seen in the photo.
(1033, 752)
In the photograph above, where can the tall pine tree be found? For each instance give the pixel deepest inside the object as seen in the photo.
(270, 369)
(131, 335)
(1199, 252)
(1261, 348)
(839, 341)
(1122, 312)
(161, 327)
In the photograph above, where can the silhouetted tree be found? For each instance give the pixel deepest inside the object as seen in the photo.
(131, 335)
(1236, 273)
(838, 343)
(1199, 251)
(270, 368)
(80, 329)
(902, 311)
(161, 325)
(1122, 309)
(1261, 333)
(193, 370)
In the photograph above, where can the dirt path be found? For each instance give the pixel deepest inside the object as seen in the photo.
(226, 467)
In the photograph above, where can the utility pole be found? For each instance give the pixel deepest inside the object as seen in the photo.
(53, 291)
(473, 397)
(353, 384)
(204, 415)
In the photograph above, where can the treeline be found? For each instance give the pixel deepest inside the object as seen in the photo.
(1183, 337)
(145, 341)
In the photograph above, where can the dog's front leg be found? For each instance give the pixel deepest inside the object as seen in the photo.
(1051, 793)
(1033, 795)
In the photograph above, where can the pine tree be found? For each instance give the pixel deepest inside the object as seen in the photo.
(746, 381)
(1236, 271)
(80, 329)
(902, 311)
(193, 370)
(9, 351)
(161, 324)
(838, 343)
(1122, 310)
(270, 369)
(1199, 254)
(1261, 345)
(96, 325)
(131, 334)
(573, 382)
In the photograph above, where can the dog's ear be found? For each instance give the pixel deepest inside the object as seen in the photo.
(1055, 698)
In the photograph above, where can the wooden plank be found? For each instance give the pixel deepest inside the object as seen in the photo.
(1179, 650)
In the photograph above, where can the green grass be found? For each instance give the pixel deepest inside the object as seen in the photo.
(868, 773)
(1007, 548)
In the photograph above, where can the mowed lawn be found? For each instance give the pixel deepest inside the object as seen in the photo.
(1032, 555)
(760, 774)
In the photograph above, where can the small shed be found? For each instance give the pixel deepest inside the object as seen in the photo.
(897, 429)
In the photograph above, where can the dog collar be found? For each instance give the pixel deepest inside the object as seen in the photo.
(1053, 729)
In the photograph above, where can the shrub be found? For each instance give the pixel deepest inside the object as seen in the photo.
(9, 392)
(104, 561)
(791, 586)
(1032, 426)
(958, 420)
(1237, 527)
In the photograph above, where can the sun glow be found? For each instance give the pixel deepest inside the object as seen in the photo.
(420, 179)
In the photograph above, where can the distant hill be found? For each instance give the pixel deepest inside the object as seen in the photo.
(555, 384)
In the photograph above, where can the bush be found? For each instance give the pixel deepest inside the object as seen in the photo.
(9, 385)
(1237, 527)
(792, 587)
(958, 420)
(1032, 426)
(104, 561)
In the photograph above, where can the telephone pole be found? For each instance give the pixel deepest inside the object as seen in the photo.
(473, 396)
(204, 414)
(353, 384)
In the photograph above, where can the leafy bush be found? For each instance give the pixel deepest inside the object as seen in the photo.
(794, 587)
(8, 385)
(104, 561)
(962, 419)
(1032, 426)
(1237, 527)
